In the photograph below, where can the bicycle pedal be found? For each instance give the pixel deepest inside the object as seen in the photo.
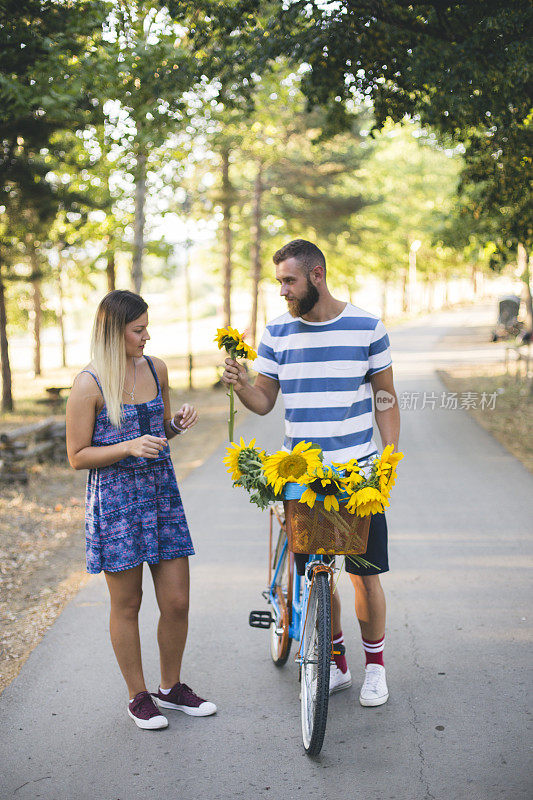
(260, 619)
(339, 650)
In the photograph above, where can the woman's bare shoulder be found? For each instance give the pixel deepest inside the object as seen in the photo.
(85, 381)
(160, 367)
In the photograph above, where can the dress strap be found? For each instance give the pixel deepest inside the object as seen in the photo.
(94, 376)
(154, 373)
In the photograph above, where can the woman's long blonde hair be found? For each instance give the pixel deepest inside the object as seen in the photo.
(108, 348)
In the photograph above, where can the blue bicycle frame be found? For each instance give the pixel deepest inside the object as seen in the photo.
(299, 595)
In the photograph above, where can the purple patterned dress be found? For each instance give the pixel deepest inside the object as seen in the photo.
(133, 508)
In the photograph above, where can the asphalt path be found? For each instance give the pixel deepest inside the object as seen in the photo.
(457, 644)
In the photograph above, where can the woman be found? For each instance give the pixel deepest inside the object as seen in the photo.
(119, 431)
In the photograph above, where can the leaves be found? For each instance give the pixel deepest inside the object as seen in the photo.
(461, 67)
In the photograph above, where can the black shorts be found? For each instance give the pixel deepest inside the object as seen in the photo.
(376, 551)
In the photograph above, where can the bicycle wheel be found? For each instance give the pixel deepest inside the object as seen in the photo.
(280, 641)
(316, 656)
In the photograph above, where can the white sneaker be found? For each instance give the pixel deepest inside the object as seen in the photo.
(374, 690)
(338, 680)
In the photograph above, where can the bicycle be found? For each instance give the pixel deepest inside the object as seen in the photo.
(301, 606)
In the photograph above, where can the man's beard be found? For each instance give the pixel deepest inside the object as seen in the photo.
(297, 308)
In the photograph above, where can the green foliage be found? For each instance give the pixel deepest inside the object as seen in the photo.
(252, 477)
(462, 68)
(414, 182)
(43, 89)
(310, 185)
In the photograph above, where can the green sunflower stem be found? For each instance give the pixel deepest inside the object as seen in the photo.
(232, 412)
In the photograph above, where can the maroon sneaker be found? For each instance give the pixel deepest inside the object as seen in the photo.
(145, 713)
(182, 698)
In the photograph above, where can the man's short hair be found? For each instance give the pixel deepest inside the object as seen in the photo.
(306, 253)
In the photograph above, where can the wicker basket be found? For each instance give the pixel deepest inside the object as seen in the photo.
(315, 530)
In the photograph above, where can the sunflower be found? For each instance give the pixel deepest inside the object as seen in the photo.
(231, 340)
(242, 457)
(327, 481)
(366, 501)
(282, 467)
(249, 352)
(390, 457)
(227, 336)
(386, 475)
(347, 466)
(386, 468)
(350, 471)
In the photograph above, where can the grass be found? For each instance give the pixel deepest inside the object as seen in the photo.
(511, 420)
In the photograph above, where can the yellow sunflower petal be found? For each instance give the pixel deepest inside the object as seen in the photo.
(301, 446)
(330, 501)
(308, 497)
(387, 452)
(232, 461)
(351, 505)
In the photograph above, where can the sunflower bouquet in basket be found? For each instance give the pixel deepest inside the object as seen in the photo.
(328, 507)
(269, 478)
(230, 340)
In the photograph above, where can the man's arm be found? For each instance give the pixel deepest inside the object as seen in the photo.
(386, 408)
(259, 398)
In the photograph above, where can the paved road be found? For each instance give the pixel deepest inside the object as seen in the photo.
(455, 727)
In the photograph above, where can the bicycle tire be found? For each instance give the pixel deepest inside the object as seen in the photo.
(280, 641)
(316, 657)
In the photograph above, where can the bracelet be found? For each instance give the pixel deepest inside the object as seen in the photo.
(175, 428)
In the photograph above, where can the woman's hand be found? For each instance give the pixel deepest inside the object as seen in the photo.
(235, 374)
(146, 446)
(186, 417)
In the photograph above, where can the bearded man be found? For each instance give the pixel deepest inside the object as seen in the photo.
(329, 358)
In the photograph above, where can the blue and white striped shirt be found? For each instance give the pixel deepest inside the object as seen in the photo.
(324, 369)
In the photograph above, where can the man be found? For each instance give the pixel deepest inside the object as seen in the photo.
(328, 357)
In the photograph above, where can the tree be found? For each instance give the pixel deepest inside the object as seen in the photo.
(461, 67)
(148, 67)
(43, 90)
(7, 395)
(414, 181)
(289, 182)
(278, 179)
(225, 131)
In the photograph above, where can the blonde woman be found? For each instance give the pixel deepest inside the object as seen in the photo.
(118, 425)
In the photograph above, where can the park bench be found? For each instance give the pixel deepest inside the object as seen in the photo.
(53, 398)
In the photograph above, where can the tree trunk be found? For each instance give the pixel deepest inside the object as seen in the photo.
(525, 274)
(404, 291)
(384, 286)
(110, 270)
(61, 316)
(226, 232)
(138, 241)
(431, 293)
(413, 304)
(7, 396)
(36, 283)
(256, 250)
(475, 282)
(188, 315)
